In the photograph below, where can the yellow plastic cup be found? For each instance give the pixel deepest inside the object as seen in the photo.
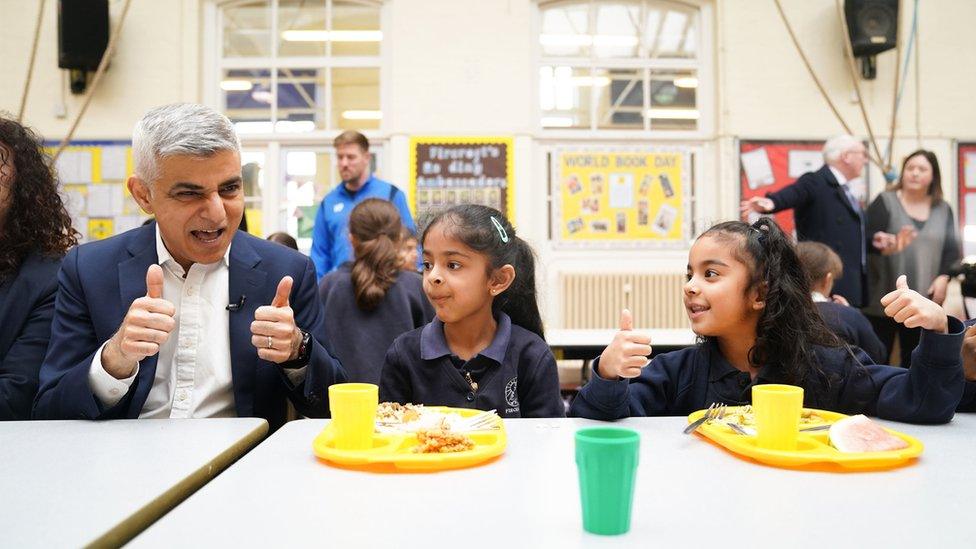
(777, 409)
(353, 407)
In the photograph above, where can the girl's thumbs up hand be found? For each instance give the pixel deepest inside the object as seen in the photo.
(908, 307)
(627, 353)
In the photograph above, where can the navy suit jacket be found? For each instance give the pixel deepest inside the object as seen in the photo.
(97, 283)
(26, 308)
(824, 214)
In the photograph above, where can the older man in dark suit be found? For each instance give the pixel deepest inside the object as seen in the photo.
(826, 211)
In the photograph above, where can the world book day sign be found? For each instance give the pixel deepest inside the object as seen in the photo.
(447, 171)
(620, 198)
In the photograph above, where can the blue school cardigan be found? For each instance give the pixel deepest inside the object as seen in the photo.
(681, 382)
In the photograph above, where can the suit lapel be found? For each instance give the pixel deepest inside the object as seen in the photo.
(132, 286)
(245, 279)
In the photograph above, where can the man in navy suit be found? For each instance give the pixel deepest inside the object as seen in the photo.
(186, 317)
(826, 211)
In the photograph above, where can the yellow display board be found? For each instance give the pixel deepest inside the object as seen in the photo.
(621, 197)
(92, 175)
(445, 171)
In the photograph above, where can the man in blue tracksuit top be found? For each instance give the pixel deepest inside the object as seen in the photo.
(330, 236)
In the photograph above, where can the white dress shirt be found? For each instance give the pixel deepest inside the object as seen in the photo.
(193, 374)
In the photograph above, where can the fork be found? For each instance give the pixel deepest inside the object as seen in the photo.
(480, 422)
(752, 432)
(714, 411)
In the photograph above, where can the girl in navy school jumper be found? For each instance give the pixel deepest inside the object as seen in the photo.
(485, 349)
(749, 302)
(371, 301)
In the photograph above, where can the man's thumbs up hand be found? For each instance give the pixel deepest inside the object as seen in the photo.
(146, 326)
(273, 331)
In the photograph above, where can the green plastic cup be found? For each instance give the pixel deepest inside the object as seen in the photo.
(607, 461)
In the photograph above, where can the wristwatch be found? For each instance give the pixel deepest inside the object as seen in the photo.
(304, 352)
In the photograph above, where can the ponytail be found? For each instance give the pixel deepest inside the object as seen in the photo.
(374, 225)
(519, 301)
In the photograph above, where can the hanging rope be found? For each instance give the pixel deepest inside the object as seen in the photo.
(877, 160)
(888, 172)
(30, 64)
(799, 50)
(109, 50)
(918, 87)
(901, 85)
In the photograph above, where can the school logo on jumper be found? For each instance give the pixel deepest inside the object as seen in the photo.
(511, 396)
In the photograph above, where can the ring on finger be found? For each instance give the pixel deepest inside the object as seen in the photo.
(270, 343)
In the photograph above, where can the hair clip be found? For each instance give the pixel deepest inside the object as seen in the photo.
(501, 230)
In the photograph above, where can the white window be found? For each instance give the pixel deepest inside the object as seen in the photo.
(291, 66)
(291, 74)
(622, 65)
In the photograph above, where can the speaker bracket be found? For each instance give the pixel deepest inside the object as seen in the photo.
(79, 81)
(869, 66)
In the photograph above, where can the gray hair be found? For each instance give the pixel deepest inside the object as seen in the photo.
(179, 129)
(836, 146)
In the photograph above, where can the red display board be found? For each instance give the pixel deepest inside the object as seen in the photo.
(768, 166)
(966, 159)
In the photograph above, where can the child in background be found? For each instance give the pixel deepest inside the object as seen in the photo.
(408, 250)
(485, 350)
(822, 267)
(749, 302)
(370, 301)
(284, 239)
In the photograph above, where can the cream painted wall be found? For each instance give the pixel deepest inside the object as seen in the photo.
(461, 66)
(157, 62)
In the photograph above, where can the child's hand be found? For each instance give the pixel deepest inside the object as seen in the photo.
(969, 353)
(627, 353)
(908, 307)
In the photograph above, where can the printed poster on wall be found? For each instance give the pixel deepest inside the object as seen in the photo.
(446, 171)
(621, 198)
(93, 175)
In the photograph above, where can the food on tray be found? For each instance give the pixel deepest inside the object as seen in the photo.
(392, 417)
(394, 412)
(860, 434)
(745, 417)
(440, 440)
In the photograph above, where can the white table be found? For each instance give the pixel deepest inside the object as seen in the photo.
(279, 495)
(74, 483)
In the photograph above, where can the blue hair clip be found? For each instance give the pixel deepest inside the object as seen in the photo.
(501, 230)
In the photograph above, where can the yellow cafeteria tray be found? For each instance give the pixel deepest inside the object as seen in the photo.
(394, 450)
(813, 449)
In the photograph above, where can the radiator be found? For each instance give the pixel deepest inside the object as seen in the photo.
(594, 301)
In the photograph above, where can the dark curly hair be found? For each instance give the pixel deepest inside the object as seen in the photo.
(36, 219)
(790, 325)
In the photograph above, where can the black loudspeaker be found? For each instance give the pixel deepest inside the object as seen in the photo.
(82, 33)
(872, 24)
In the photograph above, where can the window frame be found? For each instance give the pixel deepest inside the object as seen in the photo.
(214, 64)
(703, 65)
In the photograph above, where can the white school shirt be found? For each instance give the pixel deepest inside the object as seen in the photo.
(193, 375)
